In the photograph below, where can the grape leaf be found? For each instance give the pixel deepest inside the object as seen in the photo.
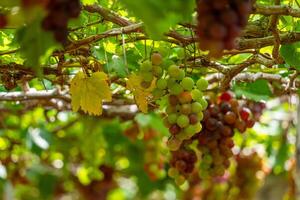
(36, 45)
(158, 20)
(89, 92)
(141, 95)
(258, 90)
(291, 54)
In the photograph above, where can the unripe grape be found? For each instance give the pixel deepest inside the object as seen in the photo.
(171, 82)
(200, 116)
(158, 93)
(189, 130)
(174, 143)
(196, 94)
(187, 83)
(181, 75)
(161, 84)
(196, 107)
(203, 103)
(163, 50)
(180, 53)
(197, 127)
(174, 71)
(147, 76)
(186, 109)
(172, 118)
(157, 71)
(176, 89)
(173, 172)
(183, 121)
(180, 180)
(202, 84)
(146, 66)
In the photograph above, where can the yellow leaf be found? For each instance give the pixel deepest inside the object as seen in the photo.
(89, 92)
(141, 95)
(110, 47)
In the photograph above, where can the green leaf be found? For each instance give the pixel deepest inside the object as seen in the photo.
(159, 16)
(117, 64)
(152, 120)
(258, 90)
(291, 54)
(36, 45)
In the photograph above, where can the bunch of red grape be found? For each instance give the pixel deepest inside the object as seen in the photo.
(215, 140)
(59, 13)
(219, 22)
(182, 164)
(245, 181)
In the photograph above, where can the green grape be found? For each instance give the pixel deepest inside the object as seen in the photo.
(157, 71)
(172, 118)
(202, 84)
(171, 82)
(190, 130)
(204, 174)
(176, 89)
(181, 75)
(196, 107)
(207, 159)
(180, 180)
(146, 66)
(181, 53)
(163, 50)
(174, 143)
(186, 109)
(200, 116)
(182, 121)
(182, 135)
(197, 127)
(196, 94)
(173, 172)
(167, 63)
(174, 71)
(203, 103)
(161, 84)
(147, 76)
(158, 93)
(187, 83)
(204, 166)
(170, 109)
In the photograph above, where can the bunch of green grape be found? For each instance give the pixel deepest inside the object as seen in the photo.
(151, 69)
(185, 105)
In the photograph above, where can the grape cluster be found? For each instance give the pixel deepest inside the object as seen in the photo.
(244, 181)
(59, 13)
(150, 69)
(215, 139)
(182, 164)
(153, 160)
(185, 105)
(219, 22)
